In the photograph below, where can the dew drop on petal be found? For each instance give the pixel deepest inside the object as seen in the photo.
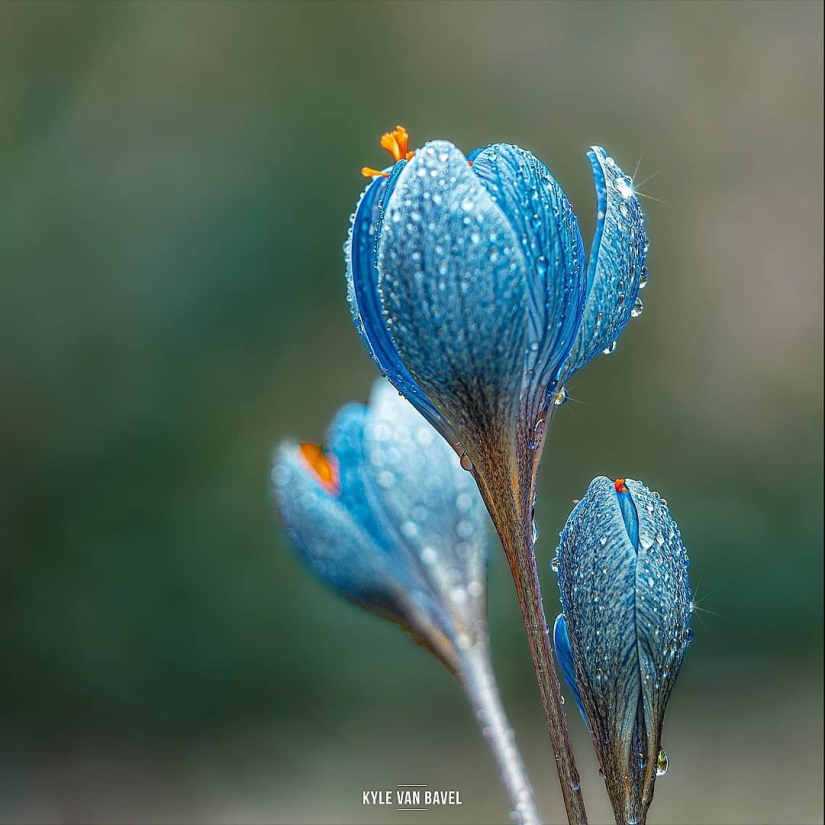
(689, 631)
(610, 350)
(643, 278)
(623, 186)
(638, 308)
(561, 396)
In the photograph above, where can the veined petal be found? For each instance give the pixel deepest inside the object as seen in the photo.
(564, 653)
(548, 231)
(365, 303)
(617, 256)
(452, 280)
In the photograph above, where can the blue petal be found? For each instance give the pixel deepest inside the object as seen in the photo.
(564, 654)
(335, 535)
(362, 292)
(433, 503)
(630, 516)
(331, 539)
(663, 603)
(617, 256)
(452, 279)
(546, 226)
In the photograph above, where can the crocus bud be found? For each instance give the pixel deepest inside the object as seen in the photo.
(624, 589)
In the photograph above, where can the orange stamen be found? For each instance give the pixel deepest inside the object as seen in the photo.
(369, 172)
(396, 143)
(324, 466)
(620, 486)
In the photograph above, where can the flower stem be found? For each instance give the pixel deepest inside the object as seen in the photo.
(479, 682)
(525, 576)
(515, 529)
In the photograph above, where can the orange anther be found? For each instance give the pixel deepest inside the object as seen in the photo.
(369, 172)
(324, 466)
(620, 486)
(396, 143)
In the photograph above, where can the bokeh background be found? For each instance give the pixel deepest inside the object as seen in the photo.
(176, 184)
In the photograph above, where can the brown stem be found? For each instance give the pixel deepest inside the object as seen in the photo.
(516, 535)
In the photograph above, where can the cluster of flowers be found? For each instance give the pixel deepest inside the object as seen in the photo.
(470, 288)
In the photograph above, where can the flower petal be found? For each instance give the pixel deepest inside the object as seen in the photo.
(617, 256)
(434, 504)
(544, 222)
(362, 292)
(340, 549)
(564, 653)
(452, 280)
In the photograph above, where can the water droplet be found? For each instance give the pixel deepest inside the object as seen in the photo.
(643, 278)
(603, 541)
(429, 555)
(662, 763)
(610, 350)
(623, 186)
(561, 397)
(541, 265)
(538, 433)
(466, 463)
(475, 589)
(689, 631)
(534, 345)
(535, 533)
(638, 308)
(554, 565)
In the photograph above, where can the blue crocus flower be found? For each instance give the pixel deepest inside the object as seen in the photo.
(470, 288)
(385, 514)
(623, 578)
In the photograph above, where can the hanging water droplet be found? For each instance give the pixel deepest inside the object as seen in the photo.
(466, 463)
(610, 350)
(541, 265)
(535, 533)
(689, 631)
(638, 308)
(662, 763)
(561, 397)
(554, 565)
(643, 278)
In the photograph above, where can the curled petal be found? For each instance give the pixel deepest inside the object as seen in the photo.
(452, 280)
(624, 587)
(617, 256)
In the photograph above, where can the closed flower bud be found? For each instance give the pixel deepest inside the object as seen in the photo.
(623, 578)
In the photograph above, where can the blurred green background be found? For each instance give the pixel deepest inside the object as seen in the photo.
(176, 185)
